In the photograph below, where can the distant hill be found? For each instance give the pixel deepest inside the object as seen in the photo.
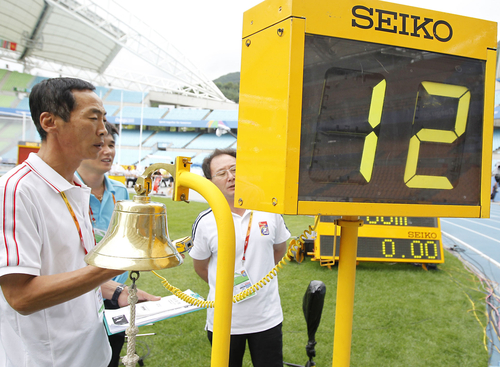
(231, 77)
(229, 84)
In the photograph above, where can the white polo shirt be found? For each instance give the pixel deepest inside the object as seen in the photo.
(263, 311)
(39, 237)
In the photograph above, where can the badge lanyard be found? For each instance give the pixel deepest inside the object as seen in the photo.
(247, 238)
(75, 220)
(242, 280)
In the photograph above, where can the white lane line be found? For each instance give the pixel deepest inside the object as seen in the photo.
(470, 230)
(478, 222)
(472, 248)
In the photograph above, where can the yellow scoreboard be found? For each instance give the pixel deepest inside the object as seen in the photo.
(385, 239)
(365, 108)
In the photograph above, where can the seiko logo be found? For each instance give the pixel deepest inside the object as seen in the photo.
(422, 235)
(404, 24)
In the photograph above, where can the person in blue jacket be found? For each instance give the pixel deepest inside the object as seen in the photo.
(105, 192)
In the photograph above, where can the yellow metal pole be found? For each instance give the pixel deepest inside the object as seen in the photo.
(345, 290)
(225, 264)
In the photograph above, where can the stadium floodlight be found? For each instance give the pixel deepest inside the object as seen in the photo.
(223, 129)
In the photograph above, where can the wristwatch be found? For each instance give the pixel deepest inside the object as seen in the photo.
(117, 293)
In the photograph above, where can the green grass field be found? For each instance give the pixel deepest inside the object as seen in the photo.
(403, 315)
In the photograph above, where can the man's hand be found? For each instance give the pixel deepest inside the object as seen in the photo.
(141, 295)
(28, 294)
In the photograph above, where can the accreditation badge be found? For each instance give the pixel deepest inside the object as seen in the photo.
(241, 283)
(99, 234)
(99, 303)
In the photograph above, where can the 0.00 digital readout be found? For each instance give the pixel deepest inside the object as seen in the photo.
(397, 248)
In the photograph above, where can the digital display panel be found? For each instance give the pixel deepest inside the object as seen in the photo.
(392, 249)
(326, 248)
(386, 124)
(385, 238)
(389, 221)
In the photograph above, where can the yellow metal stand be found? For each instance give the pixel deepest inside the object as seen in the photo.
(183, 181)
(225, 263)
(345, 290)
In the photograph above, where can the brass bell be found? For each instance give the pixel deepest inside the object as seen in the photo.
(137, 238)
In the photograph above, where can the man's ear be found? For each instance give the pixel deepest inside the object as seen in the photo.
(48, 122)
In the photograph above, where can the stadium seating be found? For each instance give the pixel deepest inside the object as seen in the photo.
(17, 81)
(132, 137)
(211, 141)
(223, 115)
(146, 112)
(172, 139)
(10, 155)
(496, 139)
(495, 164)
(166, 157)
(6, 101)
(115, 95)
(4, 146)
(186, 114)
(24, 104)
(101, 91)
(9, 135)
(111, 109)
(11, 131)
(196, 142)
(35, 81)
(131, 156)
(198, 160)
(3, 72)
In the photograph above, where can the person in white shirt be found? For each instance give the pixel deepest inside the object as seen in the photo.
(117, 170)
(131, 176)
(260, 245)
(50, 301)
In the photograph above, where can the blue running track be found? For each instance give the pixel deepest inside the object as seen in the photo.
(478, 241)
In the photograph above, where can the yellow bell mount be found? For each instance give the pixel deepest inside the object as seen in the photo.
(183, 181)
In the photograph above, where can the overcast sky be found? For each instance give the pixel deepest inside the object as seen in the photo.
(209, 32)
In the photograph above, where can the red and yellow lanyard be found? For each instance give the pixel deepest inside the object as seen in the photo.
(73, 215)
(247, 238)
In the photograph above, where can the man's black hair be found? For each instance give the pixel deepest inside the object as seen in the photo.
(55, 96)
(205, 166)
(111, 128)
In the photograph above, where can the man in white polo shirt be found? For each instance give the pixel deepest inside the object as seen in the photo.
(50, 300)
(260, 244)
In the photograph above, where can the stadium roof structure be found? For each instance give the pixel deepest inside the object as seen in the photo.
(83, 39)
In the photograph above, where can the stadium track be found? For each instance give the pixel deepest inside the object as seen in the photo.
(477, 241)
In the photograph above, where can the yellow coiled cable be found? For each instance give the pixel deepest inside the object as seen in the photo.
(178, 293)
(294, 245)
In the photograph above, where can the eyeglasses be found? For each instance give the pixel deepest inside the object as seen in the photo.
(223, 172)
